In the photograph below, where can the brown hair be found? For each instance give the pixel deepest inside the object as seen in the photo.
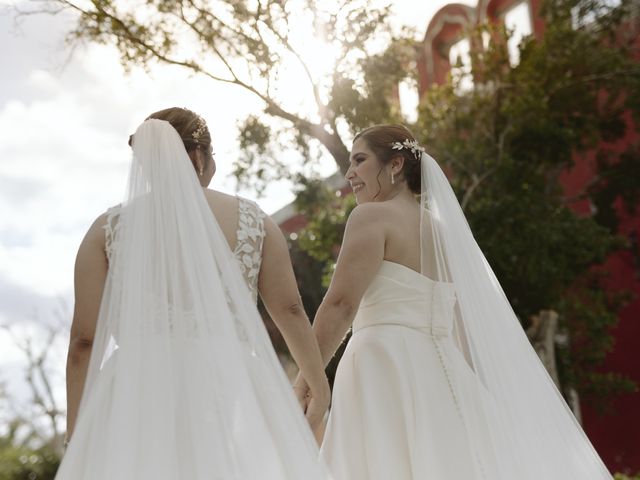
(186, 122)
(379, 139)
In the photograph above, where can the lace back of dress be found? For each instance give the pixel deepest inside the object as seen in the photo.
(110, 231)
(249, 240)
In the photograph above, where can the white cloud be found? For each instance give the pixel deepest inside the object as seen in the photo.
(64, 154)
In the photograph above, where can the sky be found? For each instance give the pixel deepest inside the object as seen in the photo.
(65, 117)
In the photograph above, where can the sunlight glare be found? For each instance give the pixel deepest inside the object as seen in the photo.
(294, 84)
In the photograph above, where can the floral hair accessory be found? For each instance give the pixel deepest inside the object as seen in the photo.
(199, 131)
(412, 145)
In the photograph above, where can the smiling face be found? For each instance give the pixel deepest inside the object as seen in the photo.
(366, 174)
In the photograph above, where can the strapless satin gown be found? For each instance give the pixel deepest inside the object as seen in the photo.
(395, 412)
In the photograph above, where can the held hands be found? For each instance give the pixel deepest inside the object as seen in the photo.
(314, 401)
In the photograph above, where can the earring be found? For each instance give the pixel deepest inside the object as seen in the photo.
(393, 180)
(201, 171)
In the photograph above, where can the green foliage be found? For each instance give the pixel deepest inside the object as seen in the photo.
(535, 244)
(253, 45)
(588, 312)
(309, 274)
(622, 476)
(617, 179)
(258, 164)
(369, 98)
(326, 213)
(22, 463)
(506, 143)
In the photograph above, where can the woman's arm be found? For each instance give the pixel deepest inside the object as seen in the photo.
(359, 260)
(89, 278)
(361, 255)
(279, 293)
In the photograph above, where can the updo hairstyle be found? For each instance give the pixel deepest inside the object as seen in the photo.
(190, 126)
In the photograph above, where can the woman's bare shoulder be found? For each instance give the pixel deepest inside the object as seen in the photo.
(97, 229)
(373, 214)
(215, 195)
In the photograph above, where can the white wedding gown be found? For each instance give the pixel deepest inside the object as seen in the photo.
(439, 380)
(394, 411)
(183, 382)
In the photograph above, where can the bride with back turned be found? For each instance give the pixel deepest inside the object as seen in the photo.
(170, 371)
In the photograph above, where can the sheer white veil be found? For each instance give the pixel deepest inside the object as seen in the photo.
(518, 423)
(183, 381)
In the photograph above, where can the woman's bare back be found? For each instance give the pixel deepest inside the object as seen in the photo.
(402, 232)
(225, 209)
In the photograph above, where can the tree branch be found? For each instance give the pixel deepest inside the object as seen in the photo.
(314, 87)
(476, 183)
(314, 130)
(330, 140)
(203, 36)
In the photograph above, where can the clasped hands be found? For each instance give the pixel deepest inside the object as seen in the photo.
(314, 403)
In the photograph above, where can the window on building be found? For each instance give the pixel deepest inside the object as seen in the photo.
(518, 21)
(460, 61)
(486, 39)
(409, 100)
(583, 19)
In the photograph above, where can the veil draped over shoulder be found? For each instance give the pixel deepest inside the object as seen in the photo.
(518, 424)
(183, 382)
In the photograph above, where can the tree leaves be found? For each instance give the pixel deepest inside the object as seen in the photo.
(506, 144)
(248, 44)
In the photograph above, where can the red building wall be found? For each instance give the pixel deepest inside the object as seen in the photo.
(615, 436)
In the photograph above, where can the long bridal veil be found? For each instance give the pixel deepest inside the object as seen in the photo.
(183, 382)
(518, 424)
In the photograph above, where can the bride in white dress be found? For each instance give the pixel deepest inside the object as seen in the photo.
(438, 380)
(171, 374)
